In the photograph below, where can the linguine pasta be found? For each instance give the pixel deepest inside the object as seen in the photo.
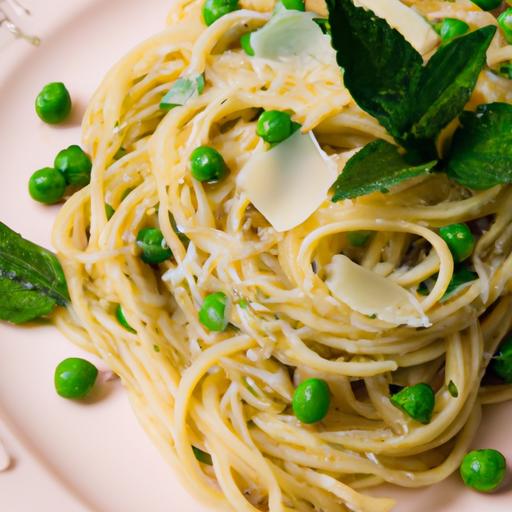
(229, 393)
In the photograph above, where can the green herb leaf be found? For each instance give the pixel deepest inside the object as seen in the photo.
(201, 456)
(181, 91)
(32, 282)
(452, 389)
(381, 69)
(461, 277)
(414, 103)
(377, 167)
(446, 84)
(481, 153)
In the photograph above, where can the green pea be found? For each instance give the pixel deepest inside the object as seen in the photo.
(122, 319)
(274, 126)
(483, 470)
(417, 401)
(75, 166)
(47, 186)
(505, 23)
(460, 240)
(215, 9)
(487, 5)
(53, 103)
(359, 238)
(311, 401)
(296, 5)
(450, 28)
(207, 164)
(501, 364)
(75, 378)
(213, 312)
(245, 43)
(153, 245)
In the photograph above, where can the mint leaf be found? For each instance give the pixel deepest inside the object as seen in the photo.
(461, 277)
(377, 167)
(32, 282)
(19, 303)
(446, 84)
(181, 91)
(481, 153)
(386, 77)
(381, 69)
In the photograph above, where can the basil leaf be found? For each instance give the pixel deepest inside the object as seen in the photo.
(378, 166)
(32, 282)
(481, 153)
(446, 84)
(181, 91)
(461, 277)
(381, 69)
(19, 303)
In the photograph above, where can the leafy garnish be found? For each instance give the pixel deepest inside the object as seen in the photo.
(446, 84)
(32, 282)
(201, 456)
(386, 77)
(481, 153)
(452, 389)
(181, 91)
(381, 69)
(463, 276)
(377, 167)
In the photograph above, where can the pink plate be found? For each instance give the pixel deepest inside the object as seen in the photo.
(74, 457)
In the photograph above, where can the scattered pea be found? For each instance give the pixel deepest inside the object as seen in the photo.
(460, 240)
(311, 401)
(215, 9)
(75, 378)
(417, 401)
(483, 470)
(274, 126)
(153, 245)
(75, 166)
(53, 103)
(47, 186)
(451, 28)
(213, 312)
(207, 164)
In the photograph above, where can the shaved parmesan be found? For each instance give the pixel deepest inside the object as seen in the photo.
(291, 33)
(416, 29)
(369, 293)
(289, 182)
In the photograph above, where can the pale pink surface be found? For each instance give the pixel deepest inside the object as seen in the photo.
(94, 457)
